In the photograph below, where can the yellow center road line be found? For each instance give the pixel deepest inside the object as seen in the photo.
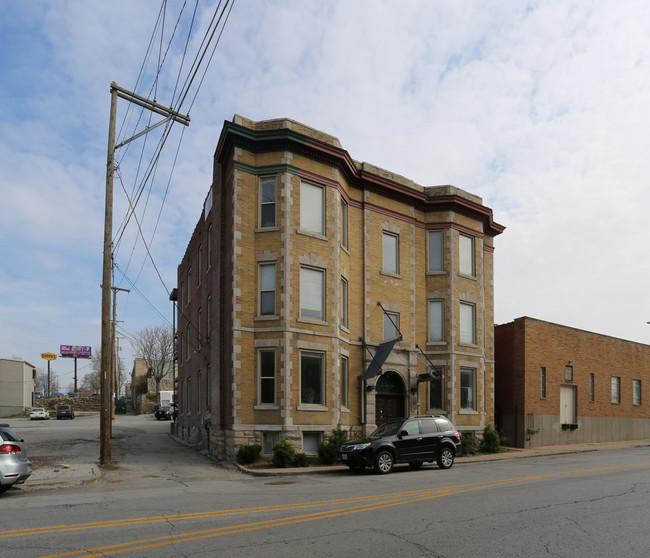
(203, 515)
(358, 505)
(246, 527)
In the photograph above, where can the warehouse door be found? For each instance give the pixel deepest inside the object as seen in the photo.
(568, 405)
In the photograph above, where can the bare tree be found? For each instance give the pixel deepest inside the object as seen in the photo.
(40, 381)
(155, 346)
(92, 380)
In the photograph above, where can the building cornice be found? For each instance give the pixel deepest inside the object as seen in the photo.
(358, 175)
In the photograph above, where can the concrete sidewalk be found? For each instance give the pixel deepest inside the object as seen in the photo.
(508, 453)
(50, 476)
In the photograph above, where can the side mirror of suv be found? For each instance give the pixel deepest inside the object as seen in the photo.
(403, 433)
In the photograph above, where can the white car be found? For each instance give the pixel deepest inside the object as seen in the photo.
(39, 414)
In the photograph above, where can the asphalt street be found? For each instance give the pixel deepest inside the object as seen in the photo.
(66, 452)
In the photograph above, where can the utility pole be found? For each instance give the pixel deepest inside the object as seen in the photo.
(113, 357)
(118, 367)
(105, 425)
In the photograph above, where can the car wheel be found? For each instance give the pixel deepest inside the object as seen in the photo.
(384, 462)
(415, 465)
(5, 487)
(445, 458)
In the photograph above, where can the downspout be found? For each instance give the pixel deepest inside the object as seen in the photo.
(362, 387)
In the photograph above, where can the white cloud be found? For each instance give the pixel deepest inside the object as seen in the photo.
(538, 107)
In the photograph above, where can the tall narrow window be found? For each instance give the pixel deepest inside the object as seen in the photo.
(591, 387)
(188, 395)
(344, 302)
(390, 253)
(568, 373)
(267, 202)
(188, 344)
(467, 265)
(267, 289)
(435, 391)
(636, 392)
(208, 387)
(312, 208)
(616, 389)
(189, 286)
(199, 393)
(311, 377)
(344, 223)
(199, 339)
(344, 382)
(209, 262)
(391, 325)
(312, 293)
(436, 321)
(208, 331)
(435, 251)
(199, 266)
(267, 376)
(467, 323)
(468, 389)
(542, 382)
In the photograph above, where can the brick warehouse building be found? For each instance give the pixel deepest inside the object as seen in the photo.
(302, 264)
(561, 385)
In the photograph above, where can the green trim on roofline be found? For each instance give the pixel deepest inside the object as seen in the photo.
(268, 169)
(238, 131)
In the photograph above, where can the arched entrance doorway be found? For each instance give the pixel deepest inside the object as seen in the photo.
(390, 400)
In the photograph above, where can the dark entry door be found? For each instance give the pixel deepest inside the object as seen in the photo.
(389, 398)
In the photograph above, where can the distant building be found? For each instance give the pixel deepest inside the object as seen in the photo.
(16, 386)
(304, 270)
(560, 385)
(142, 371)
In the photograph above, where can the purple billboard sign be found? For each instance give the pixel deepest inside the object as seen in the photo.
(78, 351)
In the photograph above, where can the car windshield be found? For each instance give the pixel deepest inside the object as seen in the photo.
(386, 429)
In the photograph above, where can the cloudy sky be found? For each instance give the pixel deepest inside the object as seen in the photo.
(541, 108)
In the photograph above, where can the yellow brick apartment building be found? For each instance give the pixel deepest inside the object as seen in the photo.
(304, 262)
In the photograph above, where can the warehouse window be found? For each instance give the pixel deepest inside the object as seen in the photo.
(616, 389)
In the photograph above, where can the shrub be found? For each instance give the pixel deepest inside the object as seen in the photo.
(283, 454)
(328, 452)
(248, 454)
(490, 443)
(468, 443)
(301, 460)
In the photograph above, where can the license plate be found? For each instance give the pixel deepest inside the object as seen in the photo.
(344, 457)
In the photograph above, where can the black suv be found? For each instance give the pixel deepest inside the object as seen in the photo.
(412, 440)
(64, 411)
